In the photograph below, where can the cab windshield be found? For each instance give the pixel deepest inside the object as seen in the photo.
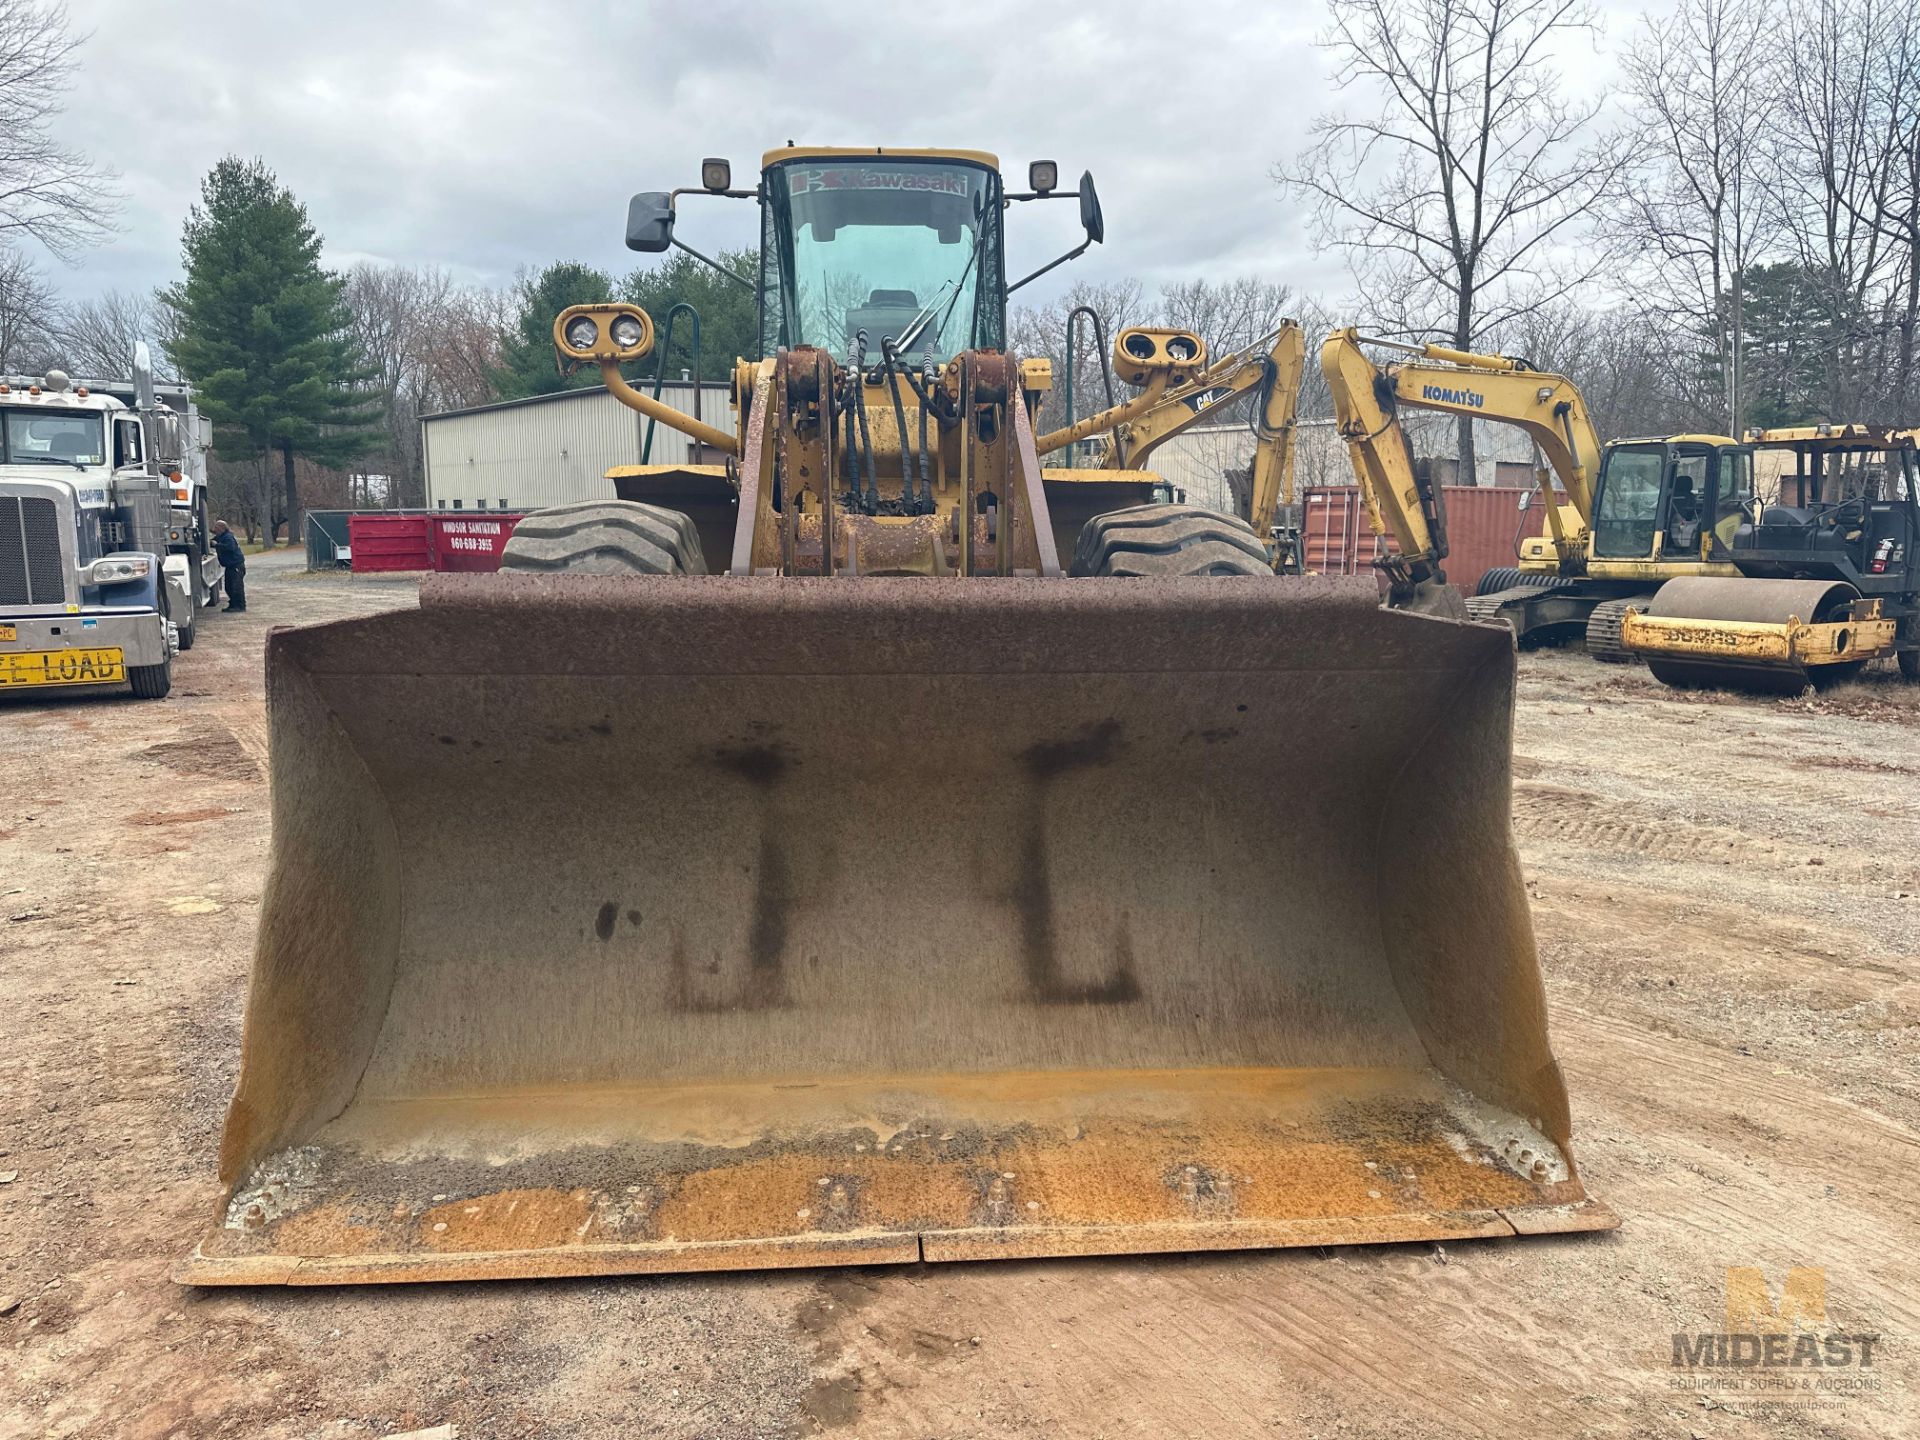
(905, 249)
(42, 437)
(1627, 509)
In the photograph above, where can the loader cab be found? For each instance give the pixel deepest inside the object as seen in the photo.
(903, 245)
(1682, 499)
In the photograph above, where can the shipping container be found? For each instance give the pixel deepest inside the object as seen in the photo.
(1484, 528)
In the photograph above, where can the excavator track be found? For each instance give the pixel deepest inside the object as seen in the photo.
(1603, 629)
(1487, 608)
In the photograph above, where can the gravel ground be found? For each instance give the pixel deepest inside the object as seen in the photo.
(1725, 891)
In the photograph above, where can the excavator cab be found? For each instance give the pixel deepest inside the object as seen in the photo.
(1670, 499)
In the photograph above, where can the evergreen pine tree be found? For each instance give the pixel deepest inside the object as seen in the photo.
(527, 364)
(263, 331)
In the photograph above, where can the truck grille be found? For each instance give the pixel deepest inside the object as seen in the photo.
(30, 568)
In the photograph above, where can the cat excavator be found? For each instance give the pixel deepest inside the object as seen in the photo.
(1621, 518)
(874, 845)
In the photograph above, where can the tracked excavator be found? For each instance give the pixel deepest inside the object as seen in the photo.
(878, 846)
(1621, 518)
(1825, 579)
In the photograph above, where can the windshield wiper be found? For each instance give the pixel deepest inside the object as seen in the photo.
(46, 460)
(912, 333)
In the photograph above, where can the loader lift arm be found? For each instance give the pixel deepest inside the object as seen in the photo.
(1548, 408)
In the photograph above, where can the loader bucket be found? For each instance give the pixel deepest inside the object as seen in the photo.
(621, 925)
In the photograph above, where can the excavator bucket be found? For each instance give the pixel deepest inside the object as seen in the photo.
(622, 925)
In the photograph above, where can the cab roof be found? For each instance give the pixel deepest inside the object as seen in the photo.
(862, 152)
(1834, 437)
(1687, 439)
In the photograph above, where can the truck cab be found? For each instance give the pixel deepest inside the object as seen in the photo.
(84, 521)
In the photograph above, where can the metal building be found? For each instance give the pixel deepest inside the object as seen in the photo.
(546, 450)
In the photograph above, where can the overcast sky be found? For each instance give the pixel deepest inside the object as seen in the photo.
(485, 137)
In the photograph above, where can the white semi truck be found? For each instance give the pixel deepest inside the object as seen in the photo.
(179, 438)
(104, 556)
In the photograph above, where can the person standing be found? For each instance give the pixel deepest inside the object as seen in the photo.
(233, 564)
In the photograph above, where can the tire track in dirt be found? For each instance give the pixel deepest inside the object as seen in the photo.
(1579, 820)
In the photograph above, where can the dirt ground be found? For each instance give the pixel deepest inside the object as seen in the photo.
(1727, 893)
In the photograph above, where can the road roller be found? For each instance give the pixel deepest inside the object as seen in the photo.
(1826, 581)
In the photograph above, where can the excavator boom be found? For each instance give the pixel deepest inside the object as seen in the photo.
(1548, 408)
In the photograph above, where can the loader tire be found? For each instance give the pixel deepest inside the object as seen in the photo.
(1164, 540)
(605, 537)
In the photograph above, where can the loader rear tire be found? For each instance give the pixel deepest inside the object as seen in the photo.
(605, 537)
(1162, 540)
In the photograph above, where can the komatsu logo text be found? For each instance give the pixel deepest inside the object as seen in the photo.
(1447, 395)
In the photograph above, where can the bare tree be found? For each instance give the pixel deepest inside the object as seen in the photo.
(47, 190)
(1042, 331)
(1893, 105)
(27, 304)
(432, 346)
(1631, 374)
(96, 337)
(1460, 195)
(1704, 86)
(1230, 314)
(1831, 169)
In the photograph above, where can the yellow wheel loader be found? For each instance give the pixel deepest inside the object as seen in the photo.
(1635, 513)
(880, 847)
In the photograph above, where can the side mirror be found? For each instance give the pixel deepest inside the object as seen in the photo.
(650, 221)
(1090, 219)
(1526, 500)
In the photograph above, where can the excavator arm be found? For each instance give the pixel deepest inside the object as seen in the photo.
(1271, 366)
(1548, 408)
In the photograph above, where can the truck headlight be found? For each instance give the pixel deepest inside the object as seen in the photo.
(118, 570)
(626, 331)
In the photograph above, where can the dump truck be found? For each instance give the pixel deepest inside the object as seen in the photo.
(86, 520)
(1826, 580)
(882, 847)
(1621, 518)
(178, 439)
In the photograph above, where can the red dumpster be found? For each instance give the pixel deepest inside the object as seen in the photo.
(386, 541)
(463, 542)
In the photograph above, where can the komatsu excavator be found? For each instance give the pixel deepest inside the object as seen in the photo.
(1826, 578)
(1623, 518)
(880, 847)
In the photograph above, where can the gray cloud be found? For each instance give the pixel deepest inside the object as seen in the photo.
(487, 137)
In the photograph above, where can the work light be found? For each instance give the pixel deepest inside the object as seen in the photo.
(582, 332)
